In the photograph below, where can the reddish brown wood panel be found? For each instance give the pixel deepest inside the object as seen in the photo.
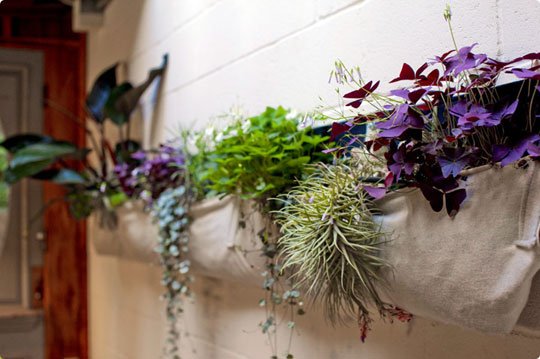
(65, 260)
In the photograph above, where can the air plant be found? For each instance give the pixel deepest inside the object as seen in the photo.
(258, 158)
(332, 244)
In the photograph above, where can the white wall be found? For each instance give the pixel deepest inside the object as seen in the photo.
(269, 52)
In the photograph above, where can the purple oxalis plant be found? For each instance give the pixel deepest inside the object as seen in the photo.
(449, 117)
(150, 173)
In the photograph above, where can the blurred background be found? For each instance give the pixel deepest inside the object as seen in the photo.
(59, 299)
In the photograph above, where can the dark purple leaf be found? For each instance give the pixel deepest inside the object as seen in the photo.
(463, 60)
(500, 152)
(526, 74)
(338, 129)
(394, 131)
(533, 150)
(509, 154)
(389, 179)
(451, 167)
(505, 111)
(421, 69)
(416, 95)
(330, 150)
(434, 196)
(375, 192)
(454, 200)
(432, 79)
(407, 73)
(532, 56)
(433, 147)
(361, 93)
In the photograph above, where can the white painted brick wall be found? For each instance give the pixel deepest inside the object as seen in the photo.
(269, 52)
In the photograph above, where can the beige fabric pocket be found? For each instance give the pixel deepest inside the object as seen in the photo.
(220, 246)
(475, 270)
(135, 237)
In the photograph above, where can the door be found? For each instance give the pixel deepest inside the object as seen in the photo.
(45, 26)
(21, 258)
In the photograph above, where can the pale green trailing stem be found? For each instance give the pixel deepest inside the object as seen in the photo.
(331, 243)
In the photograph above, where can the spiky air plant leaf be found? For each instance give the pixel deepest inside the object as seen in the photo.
(332, 244)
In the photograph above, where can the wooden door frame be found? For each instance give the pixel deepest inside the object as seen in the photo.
(65, 299)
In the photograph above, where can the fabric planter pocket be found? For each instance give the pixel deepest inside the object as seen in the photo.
(224, 241)
(475, 270)
(134, 238)
(529, 320)
(223, 238)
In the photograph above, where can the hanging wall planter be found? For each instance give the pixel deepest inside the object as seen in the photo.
(474, 270)
(134, 237)
(223, 238)
(529, 321)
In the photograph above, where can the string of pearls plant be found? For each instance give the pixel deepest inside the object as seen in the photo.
(170, 213)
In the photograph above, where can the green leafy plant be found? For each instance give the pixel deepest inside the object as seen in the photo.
(91, 187)
(332, 244)
(262, 156)
(258, 158)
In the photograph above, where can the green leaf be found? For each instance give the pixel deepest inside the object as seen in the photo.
(125, 98)
(42, 151)
(60, 176)
(112, 110)
(17, 142)
(124, 150)
(33, 159)
(117, 199)
(14, 174)
(101, 90)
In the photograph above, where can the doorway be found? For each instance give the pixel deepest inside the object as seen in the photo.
(53, 286)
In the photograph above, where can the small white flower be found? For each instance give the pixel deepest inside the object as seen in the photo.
(219, 137)
(292, 115)
(307, 121)
(246, 126)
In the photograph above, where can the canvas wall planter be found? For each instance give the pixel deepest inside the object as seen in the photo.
(219, 246)
(134, 238)
(475, 270)
(529, 321)
(224, 240)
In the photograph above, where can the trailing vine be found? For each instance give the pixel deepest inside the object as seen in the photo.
(159, 177)
(280, 292)
(170, 212)
(258, 158)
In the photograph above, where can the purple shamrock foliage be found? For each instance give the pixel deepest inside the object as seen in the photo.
(451, 116)
(361, 94)
(152, 172)
(401, 120)
(508, 154)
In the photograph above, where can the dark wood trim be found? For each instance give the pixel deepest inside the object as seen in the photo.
(21, 41)
(6, 27)
(65, 292)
